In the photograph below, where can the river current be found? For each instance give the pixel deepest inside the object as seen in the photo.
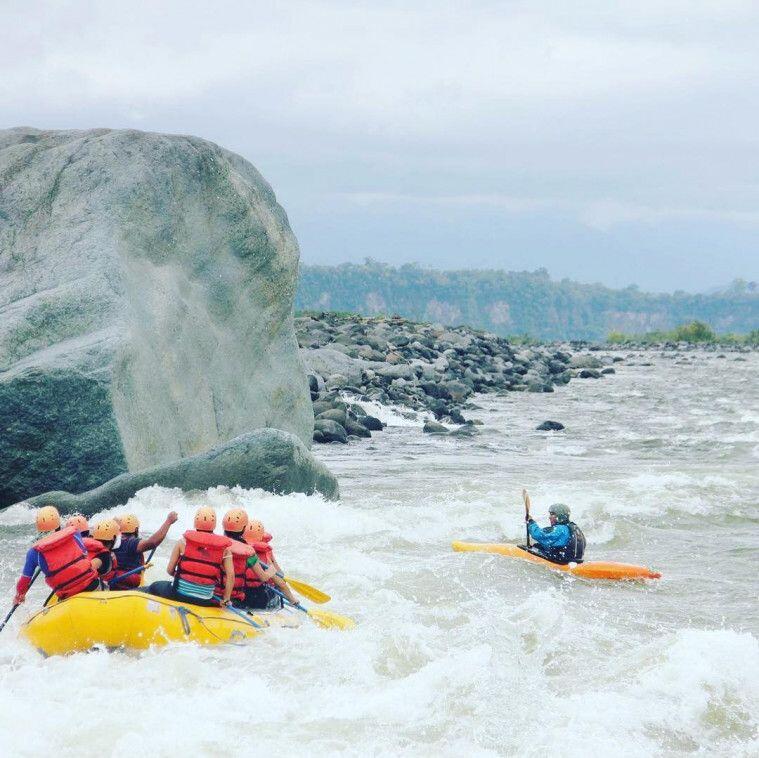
(462, 653)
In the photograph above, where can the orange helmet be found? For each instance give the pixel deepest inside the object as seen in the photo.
(79, 523)
(107, 530)
(47, 519)
(205, 519)
(254, 532)
(129, 523)
(235, 520)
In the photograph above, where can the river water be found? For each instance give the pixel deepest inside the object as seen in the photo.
(463, 653)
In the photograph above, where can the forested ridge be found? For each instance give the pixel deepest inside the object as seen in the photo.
(517, 303)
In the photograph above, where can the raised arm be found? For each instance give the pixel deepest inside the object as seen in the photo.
(155, 539)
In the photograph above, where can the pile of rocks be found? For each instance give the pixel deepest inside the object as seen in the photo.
(425, 367)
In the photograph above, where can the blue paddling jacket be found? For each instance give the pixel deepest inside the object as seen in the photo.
(561, 543)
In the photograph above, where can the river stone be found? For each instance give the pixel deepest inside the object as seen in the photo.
(432, 427)
(550, 426)
(327, 361)
(156, 274)
(356, 428)
(372, 423)
(333, 414)
(268, 459)
(329, 430)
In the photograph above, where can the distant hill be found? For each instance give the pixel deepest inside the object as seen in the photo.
(516, 303)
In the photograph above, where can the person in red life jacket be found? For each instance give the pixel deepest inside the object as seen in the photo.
(244, 558)
(79, 523)
(258, 593)
(200, 563)
(100, 545)
(61, 557)
(130, 553)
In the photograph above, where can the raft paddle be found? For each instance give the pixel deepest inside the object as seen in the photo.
(312, 593)
(130, 572)
(16, 605)
(526, 499)
(244, 616)
(327, 619)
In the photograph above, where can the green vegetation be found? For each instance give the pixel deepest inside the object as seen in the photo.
(509, 303)
(696, 332)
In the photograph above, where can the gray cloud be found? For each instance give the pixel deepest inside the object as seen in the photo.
(629, 129)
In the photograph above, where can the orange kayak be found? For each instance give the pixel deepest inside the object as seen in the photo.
(588, 570)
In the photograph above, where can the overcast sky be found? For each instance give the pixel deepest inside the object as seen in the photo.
(608, 141)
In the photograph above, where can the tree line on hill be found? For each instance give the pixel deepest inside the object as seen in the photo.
(512, 303)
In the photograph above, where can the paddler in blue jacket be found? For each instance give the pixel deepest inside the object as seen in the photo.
(562, 542)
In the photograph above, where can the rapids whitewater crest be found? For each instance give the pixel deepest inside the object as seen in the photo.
(465, 652)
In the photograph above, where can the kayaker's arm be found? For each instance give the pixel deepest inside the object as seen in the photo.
(155, 539)
(174, 558)
(229, 576)
(551, 536)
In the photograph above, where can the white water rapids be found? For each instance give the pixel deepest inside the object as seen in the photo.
(462, 653)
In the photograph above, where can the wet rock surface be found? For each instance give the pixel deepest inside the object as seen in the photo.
(269, 459)
(428, 368)
(146, 290)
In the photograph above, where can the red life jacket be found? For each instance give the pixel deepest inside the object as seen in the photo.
(96, 549)
(241, 551)
(201, 561)
(133, 580)
(69, 570)
(265, 555)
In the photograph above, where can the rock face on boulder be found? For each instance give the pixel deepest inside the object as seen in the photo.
(267, 458)
(146, 288)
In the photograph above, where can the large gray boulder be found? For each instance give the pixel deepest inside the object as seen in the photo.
(267, 458)
(146, 288)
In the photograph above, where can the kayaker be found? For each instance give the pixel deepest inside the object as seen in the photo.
(105, 536)
(61, 557)
(563, 541)
(258, 592)
(131, 552)
(198, 562)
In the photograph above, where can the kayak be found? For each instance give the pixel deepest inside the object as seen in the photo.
(586, 570)
(136, 621)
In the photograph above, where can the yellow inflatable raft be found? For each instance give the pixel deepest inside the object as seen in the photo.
(136, 620)
(587, 570)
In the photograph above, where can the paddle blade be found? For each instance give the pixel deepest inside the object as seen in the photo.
(314, 595)
(330, 620)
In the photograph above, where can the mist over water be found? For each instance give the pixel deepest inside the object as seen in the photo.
(462, 652)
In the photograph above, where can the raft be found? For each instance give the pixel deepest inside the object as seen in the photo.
(135, 620)
(586, 570)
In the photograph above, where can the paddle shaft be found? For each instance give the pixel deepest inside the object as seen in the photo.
(16, 605)
(137, 570)
(527, 517)
(242, 615)
(284, 599)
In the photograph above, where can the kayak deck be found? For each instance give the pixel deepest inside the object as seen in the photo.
(587, 570)
(136, 620)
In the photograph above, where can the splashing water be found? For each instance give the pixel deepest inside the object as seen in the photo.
(462, 652)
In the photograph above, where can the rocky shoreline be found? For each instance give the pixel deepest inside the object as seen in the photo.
(428, 368)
